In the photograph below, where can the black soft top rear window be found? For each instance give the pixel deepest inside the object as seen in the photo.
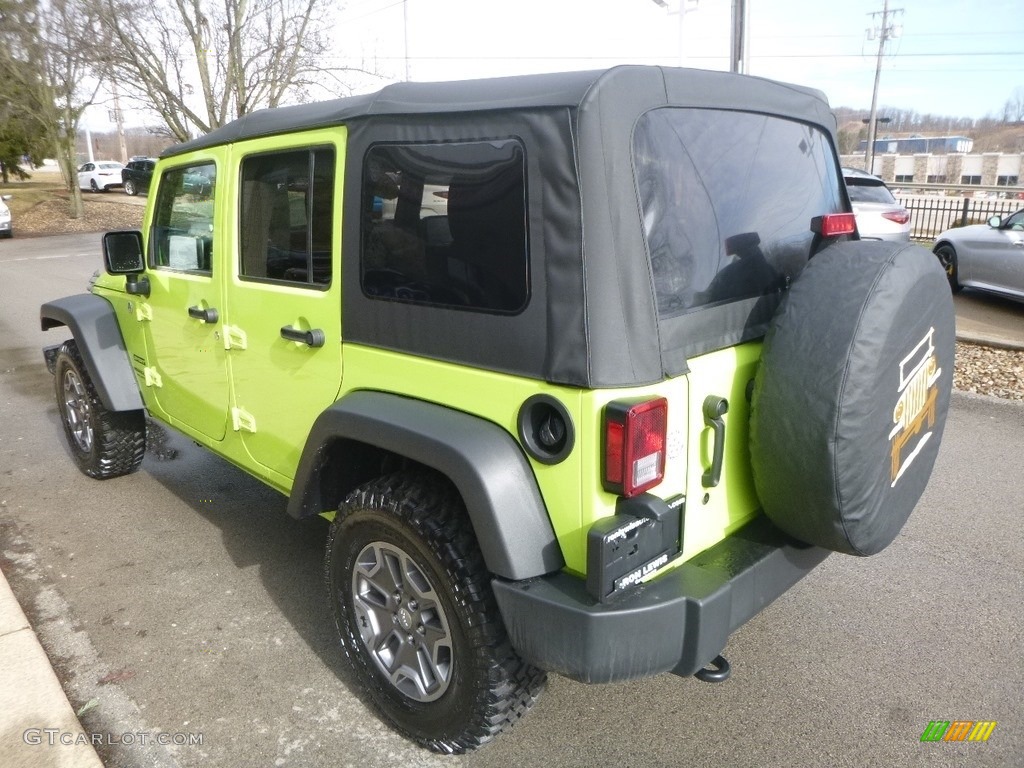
(727, 201)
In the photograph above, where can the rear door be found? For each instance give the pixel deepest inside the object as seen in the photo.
(728, 199)
(283, 326)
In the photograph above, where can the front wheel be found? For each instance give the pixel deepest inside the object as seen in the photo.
(93, 186)
(103, 443)
(129, 187)
(412, 600)
(946, 255)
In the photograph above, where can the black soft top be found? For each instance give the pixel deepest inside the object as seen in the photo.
(574, 90)
(592, 318)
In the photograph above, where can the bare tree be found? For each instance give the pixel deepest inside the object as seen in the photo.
(1013, 110)
(46, 57)
(201, 64)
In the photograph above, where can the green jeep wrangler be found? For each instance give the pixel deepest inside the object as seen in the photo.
(585, 368)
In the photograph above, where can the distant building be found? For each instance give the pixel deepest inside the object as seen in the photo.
(990, 169)
(921, 144)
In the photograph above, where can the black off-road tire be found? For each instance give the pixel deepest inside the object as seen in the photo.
(103, 443)
(408, 534)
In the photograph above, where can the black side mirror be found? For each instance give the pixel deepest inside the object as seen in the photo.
(122, 255)
(122, 252)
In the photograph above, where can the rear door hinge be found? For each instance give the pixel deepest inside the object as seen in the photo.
(234, 337)
(152, 377)
(242, 419)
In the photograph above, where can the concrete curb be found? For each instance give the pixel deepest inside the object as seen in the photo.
(989, 319)
(990, 341)
(37, 724)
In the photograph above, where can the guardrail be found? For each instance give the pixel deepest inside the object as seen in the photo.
(935, 208)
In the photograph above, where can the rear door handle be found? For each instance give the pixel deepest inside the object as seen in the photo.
(311, 338)
(208, 315)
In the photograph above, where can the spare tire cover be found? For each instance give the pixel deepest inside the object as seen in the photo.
(851, 394)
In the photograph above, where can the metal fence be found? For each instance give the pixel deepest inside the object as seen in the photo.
(935, 209)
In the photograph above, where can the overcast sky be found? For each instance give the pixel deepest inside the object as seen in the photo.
(960, 58)
(957, 58)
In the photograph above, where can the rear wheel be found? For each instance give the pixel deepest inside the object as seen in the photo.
(946, 254)
(129, 187)
(412, 600)
(103, 443)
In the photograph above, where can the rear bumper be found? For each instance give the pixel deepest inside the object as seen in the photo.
(676, 623)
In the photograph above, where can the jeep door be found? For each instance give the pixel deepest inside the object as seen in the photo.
(284, 293)
(186, 362)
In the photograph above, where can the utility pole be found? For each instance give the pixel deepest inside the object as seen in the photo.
(119, 119)
(405, 29)
(739, 58)
(885, 31)
(682, 8)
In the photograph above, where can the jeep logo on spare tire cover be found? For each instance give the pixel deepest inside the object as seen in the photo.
(851, 395)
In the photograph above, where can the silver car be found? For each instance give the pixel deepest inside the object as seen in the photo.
(879, 216)
(988, 256)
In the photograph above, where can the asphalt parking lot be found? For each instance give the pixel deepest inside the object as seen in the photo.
(183, 599)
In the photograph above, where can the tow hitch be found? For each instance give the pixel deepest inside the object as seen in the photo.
(717, 671)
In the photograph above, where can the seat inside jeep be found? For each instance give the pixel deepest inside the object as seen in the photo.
(444, 232)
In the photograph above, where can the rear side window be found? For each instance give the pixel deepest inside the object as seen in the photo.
(727, 201)
(868, 191)
(287, 216)
(445, 225)
(182, 234)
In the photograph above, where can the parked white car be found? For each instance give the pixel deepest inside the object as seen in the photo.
(100, 176)
(879, 216)
(6, 225)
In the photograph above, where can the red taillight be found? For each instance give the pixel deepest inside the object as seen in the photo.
(834, 224)
(635, 435)
(900, 216)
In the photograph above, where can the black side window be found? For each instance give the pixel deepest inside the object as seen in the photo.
(727, 201)
(445, 225)
(182, 234)
(286, 223)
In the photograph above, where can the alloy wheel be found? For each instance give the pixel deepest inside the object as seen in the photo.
(401, 621)
(77, 410)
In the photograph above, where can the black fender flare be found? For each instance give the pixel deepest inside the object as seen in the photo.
(94, 326)
(481, 459)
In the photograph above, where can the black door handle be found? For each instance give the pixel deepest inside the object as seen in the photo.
(208, 315)
(714, 409)
(311, 338)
